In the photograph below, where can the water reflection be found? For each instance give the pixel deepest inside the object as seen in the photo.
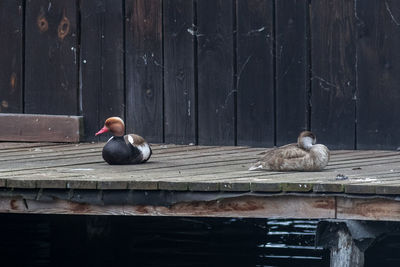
(53, 240)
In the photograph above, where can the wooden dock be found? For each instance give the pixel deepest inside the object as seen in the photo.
(195, 181)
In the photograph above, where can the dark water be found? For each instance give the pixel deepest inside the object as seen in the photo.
(54, 240)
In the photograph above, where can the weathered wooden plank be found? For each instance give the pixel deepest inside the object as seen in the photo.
(11, 56)
(144, 69)
(255, 77)
(292, 69)
(143, 185)
(231, 186)
(187, 162)
(6, 147)
(216, 90)
(261, 186)
(101, 63)
(112, 184)
(203, 186)
(179, 75)
(19, 183)
(388, 189)
(333, 92)
(172, 186)
(193, 168)
(259, 207)
(51, 57)
(377, 71)
(48, 128)
(368, 209)
(81, 184)
(359, 189)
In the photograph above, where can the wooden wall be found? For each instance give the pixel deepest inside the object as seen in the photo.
(220, 72)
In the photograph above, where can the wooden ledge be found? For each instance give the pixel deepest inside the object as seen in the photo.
(41, 128)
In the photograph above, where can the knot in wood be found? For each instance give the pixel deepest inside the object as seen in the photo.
(63, 27)
(13, 80)
(4, 104)
(42, 23)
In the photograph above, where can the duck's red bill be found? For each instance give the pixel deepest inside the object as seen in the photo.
(102, 130)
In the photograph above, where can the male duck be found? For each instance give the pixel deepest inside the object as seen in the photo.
(303, 156)
(120, 149)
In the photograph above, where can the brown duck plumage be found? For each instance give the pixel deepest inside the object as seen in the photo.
(305, 155)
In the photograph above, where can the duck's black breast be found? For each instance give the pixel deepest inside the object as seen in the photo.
(116, 151)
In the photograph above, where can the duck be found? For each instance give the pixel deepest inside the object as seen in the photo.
(123, 149)
(305, 155)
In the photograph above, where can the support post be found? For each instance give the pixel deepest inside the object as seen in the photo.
(346, 253)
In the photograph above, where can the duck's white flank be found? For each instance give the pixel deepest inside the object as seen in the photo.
(145, 149)
(130, 139)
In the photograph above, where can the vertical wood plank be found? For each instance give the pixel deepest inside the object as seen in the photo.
(179, 83)
(292, 69)
(333, 73)
(11, 20)
(102, 63)
(51, 57)
(378, 68)
(216, 91)
(255, 73)
(144, 69)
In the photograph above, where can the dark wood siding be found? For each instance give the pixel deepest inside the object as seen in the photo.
(378, 74)
(51, 57)
(101, 63)
(216, 72)
(11, 56)
(333, 72)
(144, 68)
(255, 73)
(179, 72)
(216, 91)
(292, 69)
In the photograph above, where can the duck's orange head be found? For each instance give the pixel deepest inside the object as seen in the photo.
(115, 125)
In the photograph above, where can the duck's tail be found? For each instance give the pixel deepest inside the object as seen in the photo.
(256, 166)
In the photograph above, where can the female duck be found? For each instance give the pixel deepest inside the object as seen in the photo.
(303, 156)
(120, 149)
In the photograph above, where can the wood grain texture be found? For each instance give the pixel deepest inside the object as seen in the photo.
(51, 57)
(216, 90)
(47, 128)
(101, 63)
(255, 77)
(378, 66)
(179, 74)
(346, 253)
(292, 69)
(193, 168)
(11, 56)
(249, 207)
(144, 69)
(372, 209)
(333, 73)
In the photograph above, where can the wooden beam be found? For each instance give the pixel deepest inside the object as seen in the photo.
(40, 128)
(377, 209)
(248, 206)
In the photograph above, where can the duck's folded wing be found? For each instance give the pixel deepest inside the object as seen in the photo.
(291, 151)
(277, 158)
(134, 139)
